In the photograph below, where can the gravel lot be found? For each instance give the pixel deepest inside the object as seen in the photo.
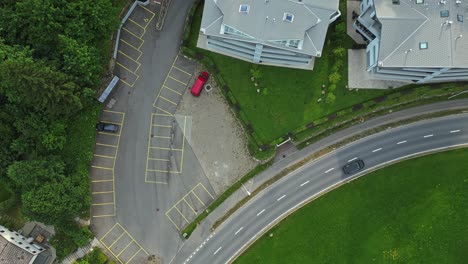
(216, 137)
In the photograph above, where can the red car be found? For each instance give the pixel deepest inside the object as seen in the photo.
(199, 83)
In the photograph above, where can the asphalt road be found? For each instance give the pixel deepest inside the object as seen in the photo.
(315, 178)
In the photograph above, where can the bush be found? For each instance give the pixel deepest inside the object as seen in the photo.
(334, 77)
(339, 52)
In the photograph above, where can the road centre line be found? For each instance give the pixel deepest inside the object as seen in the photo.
(455, 131)
(353, 159)
(237, 232)
(401, 142)
(427, 136)
(261, 212)
(279, 199)
(375, 150)
(329, 170)
(216, 252)
(304, 183)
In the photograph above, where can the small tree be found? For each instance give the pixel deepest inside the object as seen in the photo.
(256, 72)
(330, 99)
(339, 52)
(334, 77)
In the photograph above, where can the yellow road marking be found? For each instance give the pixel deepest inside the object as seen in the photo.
(123, 66)
(159, 114)
(170, 219)
(130, 45)
(98, 167)
(172, 90)
(96, 181)
(106, 145)
(131, 242)
(165, 148)
(110, 134)
(113, 165)
(198, 198)
(133, 34)
(133, 256)
(99, 204)
(177, 80)
(147, 9)
(162, 137)
(158, 159)
(129, 84)
(190, 206)
(203, 186)
(113, 243)
(183, 146)
(163, 171)
(131, 20)
(182, 214)
(157, 107)
(177, 68)
(115, 112)
(135, 241)
(102, 156)
(157, 125)
(108, 232)
(128, 56)
(164, 98)
(97, 216)
(158, 182)
(110, 122)
(102, 192)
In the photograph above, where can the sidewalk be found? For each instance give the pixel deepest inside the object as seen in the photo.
(203, 231)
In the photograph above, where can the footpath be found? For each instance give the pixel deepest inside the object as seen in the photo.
(204, 229)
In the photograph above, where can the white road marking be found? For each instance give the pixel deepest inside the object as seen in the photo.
(329, 170)
(261, 212)
(304, 183)
(375, 150)
(455, 131)
(217, 250)
(352, 159)
(401, 142)
(281, 197)
(426, 136)
(240, 229)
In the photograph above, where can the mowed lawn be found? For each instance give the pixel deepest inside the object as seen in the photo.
(288, 97)
(412, 212)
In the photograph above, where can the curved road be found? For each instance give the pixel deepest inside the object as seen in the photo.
(315, 178)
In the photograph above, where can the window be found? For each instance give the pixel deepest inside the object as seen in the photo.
(227, 30)
(288, 17)
(292, 43)
(243, 8)
(460, 18)
(423, 45)
(444, 13)
(419, 1)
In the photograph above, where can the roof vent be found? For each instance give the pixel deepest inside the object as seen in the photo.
(244, 8)
(288, 17)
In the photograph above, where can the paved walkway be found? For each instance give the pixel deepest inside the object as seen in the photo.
(204, 229)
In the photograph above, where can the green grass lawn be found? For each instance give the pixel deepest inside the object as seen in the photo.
(412, 212)
(288, 97)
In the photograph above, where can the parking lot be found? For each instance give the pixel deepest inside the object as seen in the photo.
(189, 206)
(102, 168)
(130, 43)
(123, 246)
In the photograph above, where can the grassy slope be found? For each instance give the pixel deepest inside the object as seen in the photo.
(289, 96)
(411, 212)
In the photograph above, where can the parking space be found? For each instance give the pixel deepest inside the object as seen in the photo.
(130, 43)
(189, 206)
(166, 143)
(123, 246)
(102, 168)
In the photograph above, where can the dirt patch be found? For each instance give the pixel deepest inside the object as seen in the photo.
(216, 137)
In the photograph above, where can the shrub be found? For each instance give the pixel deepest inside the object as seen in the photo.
(334, 77)
(339, 52)
(330, 98)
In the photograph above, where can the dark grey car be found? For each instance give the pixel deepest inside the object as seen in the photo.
(107, 127)
(353, 166)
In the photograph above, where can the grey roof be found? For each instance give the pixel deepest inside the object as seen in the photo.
(10, 253)
(408, 24)
(310, 23)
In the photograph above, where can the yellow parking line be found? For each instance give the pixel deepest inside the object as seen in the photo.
(163, 171)
(110, 122)
(97, 216)
(177, 68)
(96, 181)
(172, 90)
(135, 241)
(133, 256)
(133, 34)
(157, 125)
(129, 84)
(183, 146)
(182, 214)
(130, 45)
(123, 66)
(113, 243)
(157, 107)
(177, 80)
(106, 145)
(110, 134)
(207, 191)
(159, 114)
(165, 99)
(158, 159)
(115, 112)
(162, 137)
(131, 20)
(170, 219)
(158, 182)
(102, 156)
(113, 165)
(131, 242)
(102, 192)
(165, 148)
(198, 198)
(110, 251)
(147, 9)
(98, 167)
(129, 57)
(108, 233)
(100, 204)
(190, 206)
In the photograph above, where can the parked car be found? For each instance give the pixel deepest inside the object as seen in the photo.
(107, 127)
(199, 83)
(353, 166)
